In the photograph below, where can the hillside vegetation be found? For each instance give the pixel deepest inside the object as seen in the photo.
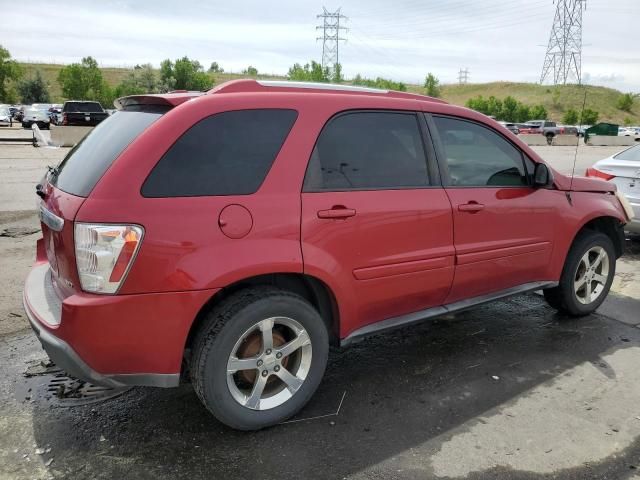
(555, 99)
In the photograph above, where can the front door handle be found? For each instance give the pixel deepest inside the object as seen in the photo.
(471, 207)
(337, 212)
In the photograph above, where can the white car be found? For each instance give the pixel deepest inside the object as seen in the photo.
(628, 132)
(623, 169)
(39, 117)
(5, 117)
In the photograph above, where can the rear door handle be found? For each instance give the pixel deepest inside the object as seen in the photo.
(471, 207)
(337, 212)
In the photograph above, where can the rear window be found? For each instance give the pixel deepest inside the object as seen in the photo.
(83, 107)
(632, 154)
(228, 153)
(83, 166)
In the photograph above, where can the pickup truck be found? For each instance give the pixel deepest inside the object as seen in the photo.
(81, 113)
(545, 127)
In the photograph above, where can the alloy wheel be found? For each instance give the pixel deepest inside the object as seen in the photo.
(269, 363)
(591, 275)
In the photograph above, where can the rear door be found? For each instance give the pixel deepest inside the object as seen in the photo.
(503, 227)
(375, 222)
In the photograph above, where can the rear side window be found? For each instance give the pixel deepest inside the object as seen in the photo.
(228, 153)
(85, 163)
(478, 157)
(368, 151)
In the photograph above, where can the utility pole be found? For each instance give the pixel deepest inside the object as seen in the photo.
(463, 76)
(331, 38)
(564, 51)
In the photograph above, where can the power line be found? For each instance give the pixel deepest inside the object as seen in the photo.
(564, 51)
(331, 38)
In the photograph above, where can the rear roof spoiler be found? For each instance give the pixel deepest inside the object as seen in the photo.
(170, 100)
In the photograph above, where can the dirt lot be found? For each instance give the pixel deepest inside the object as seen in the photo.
(508, 390)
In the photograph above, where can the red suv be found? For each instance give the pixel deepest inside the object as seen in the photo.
(233, 236)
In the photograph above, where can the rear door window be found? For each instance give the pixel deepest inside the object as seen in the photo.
(85, 163)
(228, 153)
(368, 151)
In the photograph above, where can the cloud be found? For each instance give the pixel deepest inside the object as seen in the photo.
(403, 40)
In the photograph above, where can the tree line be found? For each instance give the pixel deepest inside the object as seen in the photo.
(84, 80)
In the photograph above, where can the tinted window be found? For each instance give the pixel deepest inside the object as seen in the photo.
(226, 154)
(368, 150)
(83, 166)
(632, 153)
(477, 156)
(83, 107)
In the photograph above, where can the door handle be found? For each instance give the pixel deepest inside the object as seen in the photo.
(471, 207)
(337, 212)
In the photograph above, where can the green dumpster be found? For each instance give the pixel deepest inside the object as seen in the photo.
(606, 129)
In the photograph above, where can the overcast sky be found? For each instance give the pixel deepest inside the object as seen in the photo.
(399, 39)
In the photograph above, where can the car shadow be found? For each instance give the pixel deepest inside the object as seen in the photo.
(402, 389)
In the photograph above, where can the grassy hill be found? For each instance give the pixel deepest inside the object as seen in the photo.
(555, 99)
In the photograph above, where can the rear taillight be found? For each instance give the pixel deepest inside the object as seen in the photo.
(594, 172)
(104, 254)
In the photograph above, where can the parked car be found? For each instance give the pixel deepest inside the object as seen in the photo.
(233, 236)
(83, 113)
(512, 127)
(628, 132)
(55, 114)
(623, 169)
(39, 117)
(19, 115)
(5, 117)
(42, 106)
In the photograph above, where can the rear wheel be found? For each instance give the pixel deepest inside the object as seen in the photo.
(259, 357)
(586, 277)
(549, 139)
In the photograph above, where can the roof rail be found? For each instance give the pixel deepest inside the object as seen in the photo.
(246, 85)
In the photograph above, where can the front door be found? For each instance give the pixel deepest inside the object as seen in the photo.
(503, 227)
(374, 225)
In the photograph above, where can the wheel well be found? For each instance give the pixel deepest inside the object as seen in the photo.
(610, 226)
(313, 290)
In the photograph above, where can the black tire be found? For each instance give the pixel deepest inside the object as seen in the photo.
(549, 139)
(563, 297)
(224, 326)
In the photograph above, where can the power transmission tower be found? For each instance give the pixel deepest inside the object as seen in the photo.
(331, 38)
(564, 51)
(463, 76)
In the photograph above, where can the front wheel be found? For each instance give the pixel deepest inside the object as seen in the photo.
(586, 277)
(259, 357)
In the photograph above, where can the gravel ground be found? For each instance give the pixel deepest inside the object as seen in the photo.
(508, 390)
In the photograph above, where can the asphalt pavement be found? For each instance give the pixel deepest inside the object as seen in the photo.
(509, 390)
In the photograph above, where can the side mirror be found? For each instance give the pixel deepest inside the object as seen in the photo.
(542, 176)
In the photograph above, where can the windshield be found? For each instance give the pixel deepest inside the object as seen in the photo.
(632, 154)
(83, 166)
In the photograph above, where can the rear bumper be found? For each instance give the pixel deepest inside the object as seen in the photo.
(112, 340)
